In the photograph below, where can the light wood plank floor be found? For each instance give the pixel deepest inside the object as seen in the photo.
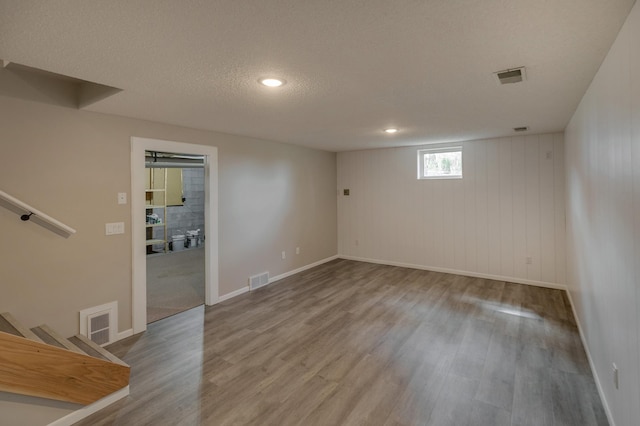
(351, 343)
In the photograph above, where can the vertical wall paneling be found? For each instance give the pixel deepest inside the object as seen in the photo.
(439, 224)
(634, 71)
(469, 185)
(447, 241)
(482, 231)
(493, 206)
(519, 207)
(532, 209)
(459, 262)
(559, 214)
(547, 213)
(602, 144)
(505, 209)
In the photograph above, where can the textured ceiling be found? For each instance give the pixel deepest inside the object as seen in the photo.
(353, 67)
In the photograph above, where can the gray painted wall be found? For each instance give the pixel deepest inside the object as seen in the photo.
(72, 163)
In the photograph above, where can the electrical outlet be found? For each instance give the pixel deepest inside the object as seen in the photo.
(284, 255)
(528, 260)
(616, 382)
(297, 250)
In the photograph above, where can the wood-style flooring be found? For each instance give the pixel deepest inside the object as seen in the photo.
(352, 343)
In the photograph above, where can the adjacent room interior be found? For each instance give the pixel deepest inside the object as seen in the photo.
(174, 204)
(410, 213)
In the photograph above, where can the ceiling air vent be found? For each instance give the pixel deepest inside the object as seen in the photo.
(514, 75)
(521, 129)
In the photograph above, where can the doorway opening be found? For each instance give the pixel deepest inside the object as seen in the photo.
(155, 224)
(174, 198)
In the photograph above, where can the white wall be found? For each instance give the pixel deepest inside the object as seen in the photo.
(508, 206)
(603, 220)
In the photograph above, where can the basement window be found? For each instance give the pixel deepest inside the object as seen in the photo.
(440, 163)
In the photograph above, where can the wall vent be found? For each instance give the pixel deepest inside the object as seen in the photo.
(513, 75)
(100, 323)
(521, 129)
(258, 281)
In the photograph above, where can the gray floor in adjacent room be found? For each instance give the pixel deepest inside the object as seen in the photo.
(175, 283)
(353, 343)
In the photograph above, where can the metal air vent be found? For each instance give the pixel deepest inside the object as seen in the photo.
(258, 281)
(513, 75)
(100, 323)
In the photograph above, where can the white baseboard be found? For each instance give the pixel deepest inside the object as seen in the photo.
(458, 272)
(591, 364)
(233, 294)
(124, 334)
(85, 412)
(277, 278)
(301, 269)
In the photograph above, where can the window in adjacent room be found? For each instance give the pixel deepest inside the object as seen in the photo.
(440, 163)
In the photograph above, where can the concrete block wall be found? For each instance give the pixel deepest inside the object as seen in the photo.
(181, 219)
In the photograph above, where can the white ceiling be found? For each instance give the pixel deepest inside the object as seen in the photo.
(353, 67)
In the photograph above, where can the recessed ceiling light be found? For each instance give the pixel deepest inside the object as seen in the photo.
(271, 82)
(391, 130)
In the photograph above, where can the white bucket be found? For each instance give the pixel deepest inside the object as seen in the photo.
(193, 238)
(178, 242)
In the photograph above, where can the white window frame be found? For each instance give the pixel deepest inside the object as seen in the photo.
(442, 149)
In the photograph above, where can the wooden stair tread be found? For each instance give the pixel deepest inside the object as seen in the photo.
(19, 328)
(51, 337)
(6, 327)
(95, 350)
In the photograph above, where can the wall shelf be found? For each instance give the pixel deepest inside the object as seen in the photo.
(156, 204)
(152, 242)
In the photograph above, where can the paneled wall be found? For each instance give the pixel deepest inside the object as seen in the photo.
(603, 221)
(509, 206)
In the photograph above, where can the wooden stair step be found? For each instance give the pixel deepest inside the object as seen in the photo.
(95, 350)
(51, 337)
(45, 371)
(9, 322)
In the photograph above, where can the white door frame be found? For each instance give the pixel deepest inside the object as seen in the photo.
(138, 221)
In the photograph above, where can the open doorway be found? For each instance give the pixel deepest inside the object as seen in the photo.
(174, 197)
(208, 238)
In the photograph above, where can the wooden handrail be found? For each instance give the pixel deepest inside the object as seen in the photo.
(27, 212)
(37, 369)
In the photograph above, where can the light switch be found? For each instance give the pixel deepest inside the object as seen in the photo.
(122, 198)
(114, 228)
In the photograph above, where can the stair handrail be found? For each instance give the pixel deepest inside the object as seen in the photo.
(28, 212)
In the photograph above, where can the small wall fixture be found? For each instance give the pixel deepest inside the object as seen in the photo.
(521, 129)
(391, 130)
